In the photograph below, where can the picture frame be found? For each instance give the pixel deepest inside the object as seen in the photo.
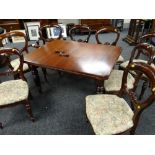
(5, 41)
(18, 39)
(33, 32)
(53, 32)
(32, 29)
(49, 34)
(64, 32)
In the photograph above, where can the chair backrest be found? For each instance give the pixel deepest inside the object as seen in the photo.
(143, 50)
(50, 32)
(10, 71)
(147, 37)
(10, 35)
(79, 29)
(139, 105)
(103, 31)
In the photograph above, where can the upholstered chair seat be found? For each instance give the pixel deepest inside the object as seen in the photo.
(124, 64)
(115, 81)
(108, 114)
(13, 91)
(15, 64)
(120, 59)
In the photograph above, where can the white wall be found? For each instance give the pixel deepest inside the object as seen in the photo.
(126, 23)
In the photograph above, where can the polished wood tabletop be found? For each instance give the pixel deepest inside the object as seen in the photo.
(92, 60)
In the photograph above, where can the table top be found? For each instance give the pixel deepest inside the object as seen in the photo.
(92, 60)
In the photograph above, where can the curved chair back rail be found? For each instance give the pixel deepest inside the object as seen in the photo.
(80, 28)
(107, 30)
(139, 105)
(143, 49)
(8, 52)
(44, 29)
(9, 35)
(147, 36)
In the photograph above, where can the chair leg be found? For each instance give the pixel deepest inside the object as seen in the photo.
(16, 76)
(45, 73)
(30, 95)
(60, 74)
(143, 90)
(36, 78)
(29, 111)
(86, 118)
(1, 126)
(132, 132)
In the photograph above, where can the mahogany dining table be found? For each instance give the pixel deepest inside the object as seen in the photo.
(90, 60)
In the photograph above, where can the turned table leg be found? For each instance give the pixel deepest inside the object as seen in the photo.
(36, 78)
(100, 87)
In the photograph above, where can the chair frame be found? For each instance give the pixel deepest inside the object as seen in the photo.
(80, 27)
(33, 69)
(136, 52)
(19, 72)
(105, 30)
(48, 39)
(137, 105)
(146, 36)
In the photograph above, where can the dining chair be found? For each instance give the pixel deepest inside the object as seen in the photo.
(76, 31)
(23, 48)
(49, 33)
(16, 91)
(147, 38)
(143, 39)
(112, 114)
(113, 37)
(113, 84)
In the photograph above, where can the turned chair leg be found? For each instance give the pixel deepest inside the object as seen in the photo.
(1, 126)
(29, 111)
(45, 74)
(30, 95)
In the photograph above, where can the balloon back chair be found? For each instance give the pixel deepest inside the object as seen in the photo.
(49, 33)
(143, 39)
(112, 114)
(113, 37)
(143, 52)
(113, 84)
(13, 92)
(23, 49)
(76, 31)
